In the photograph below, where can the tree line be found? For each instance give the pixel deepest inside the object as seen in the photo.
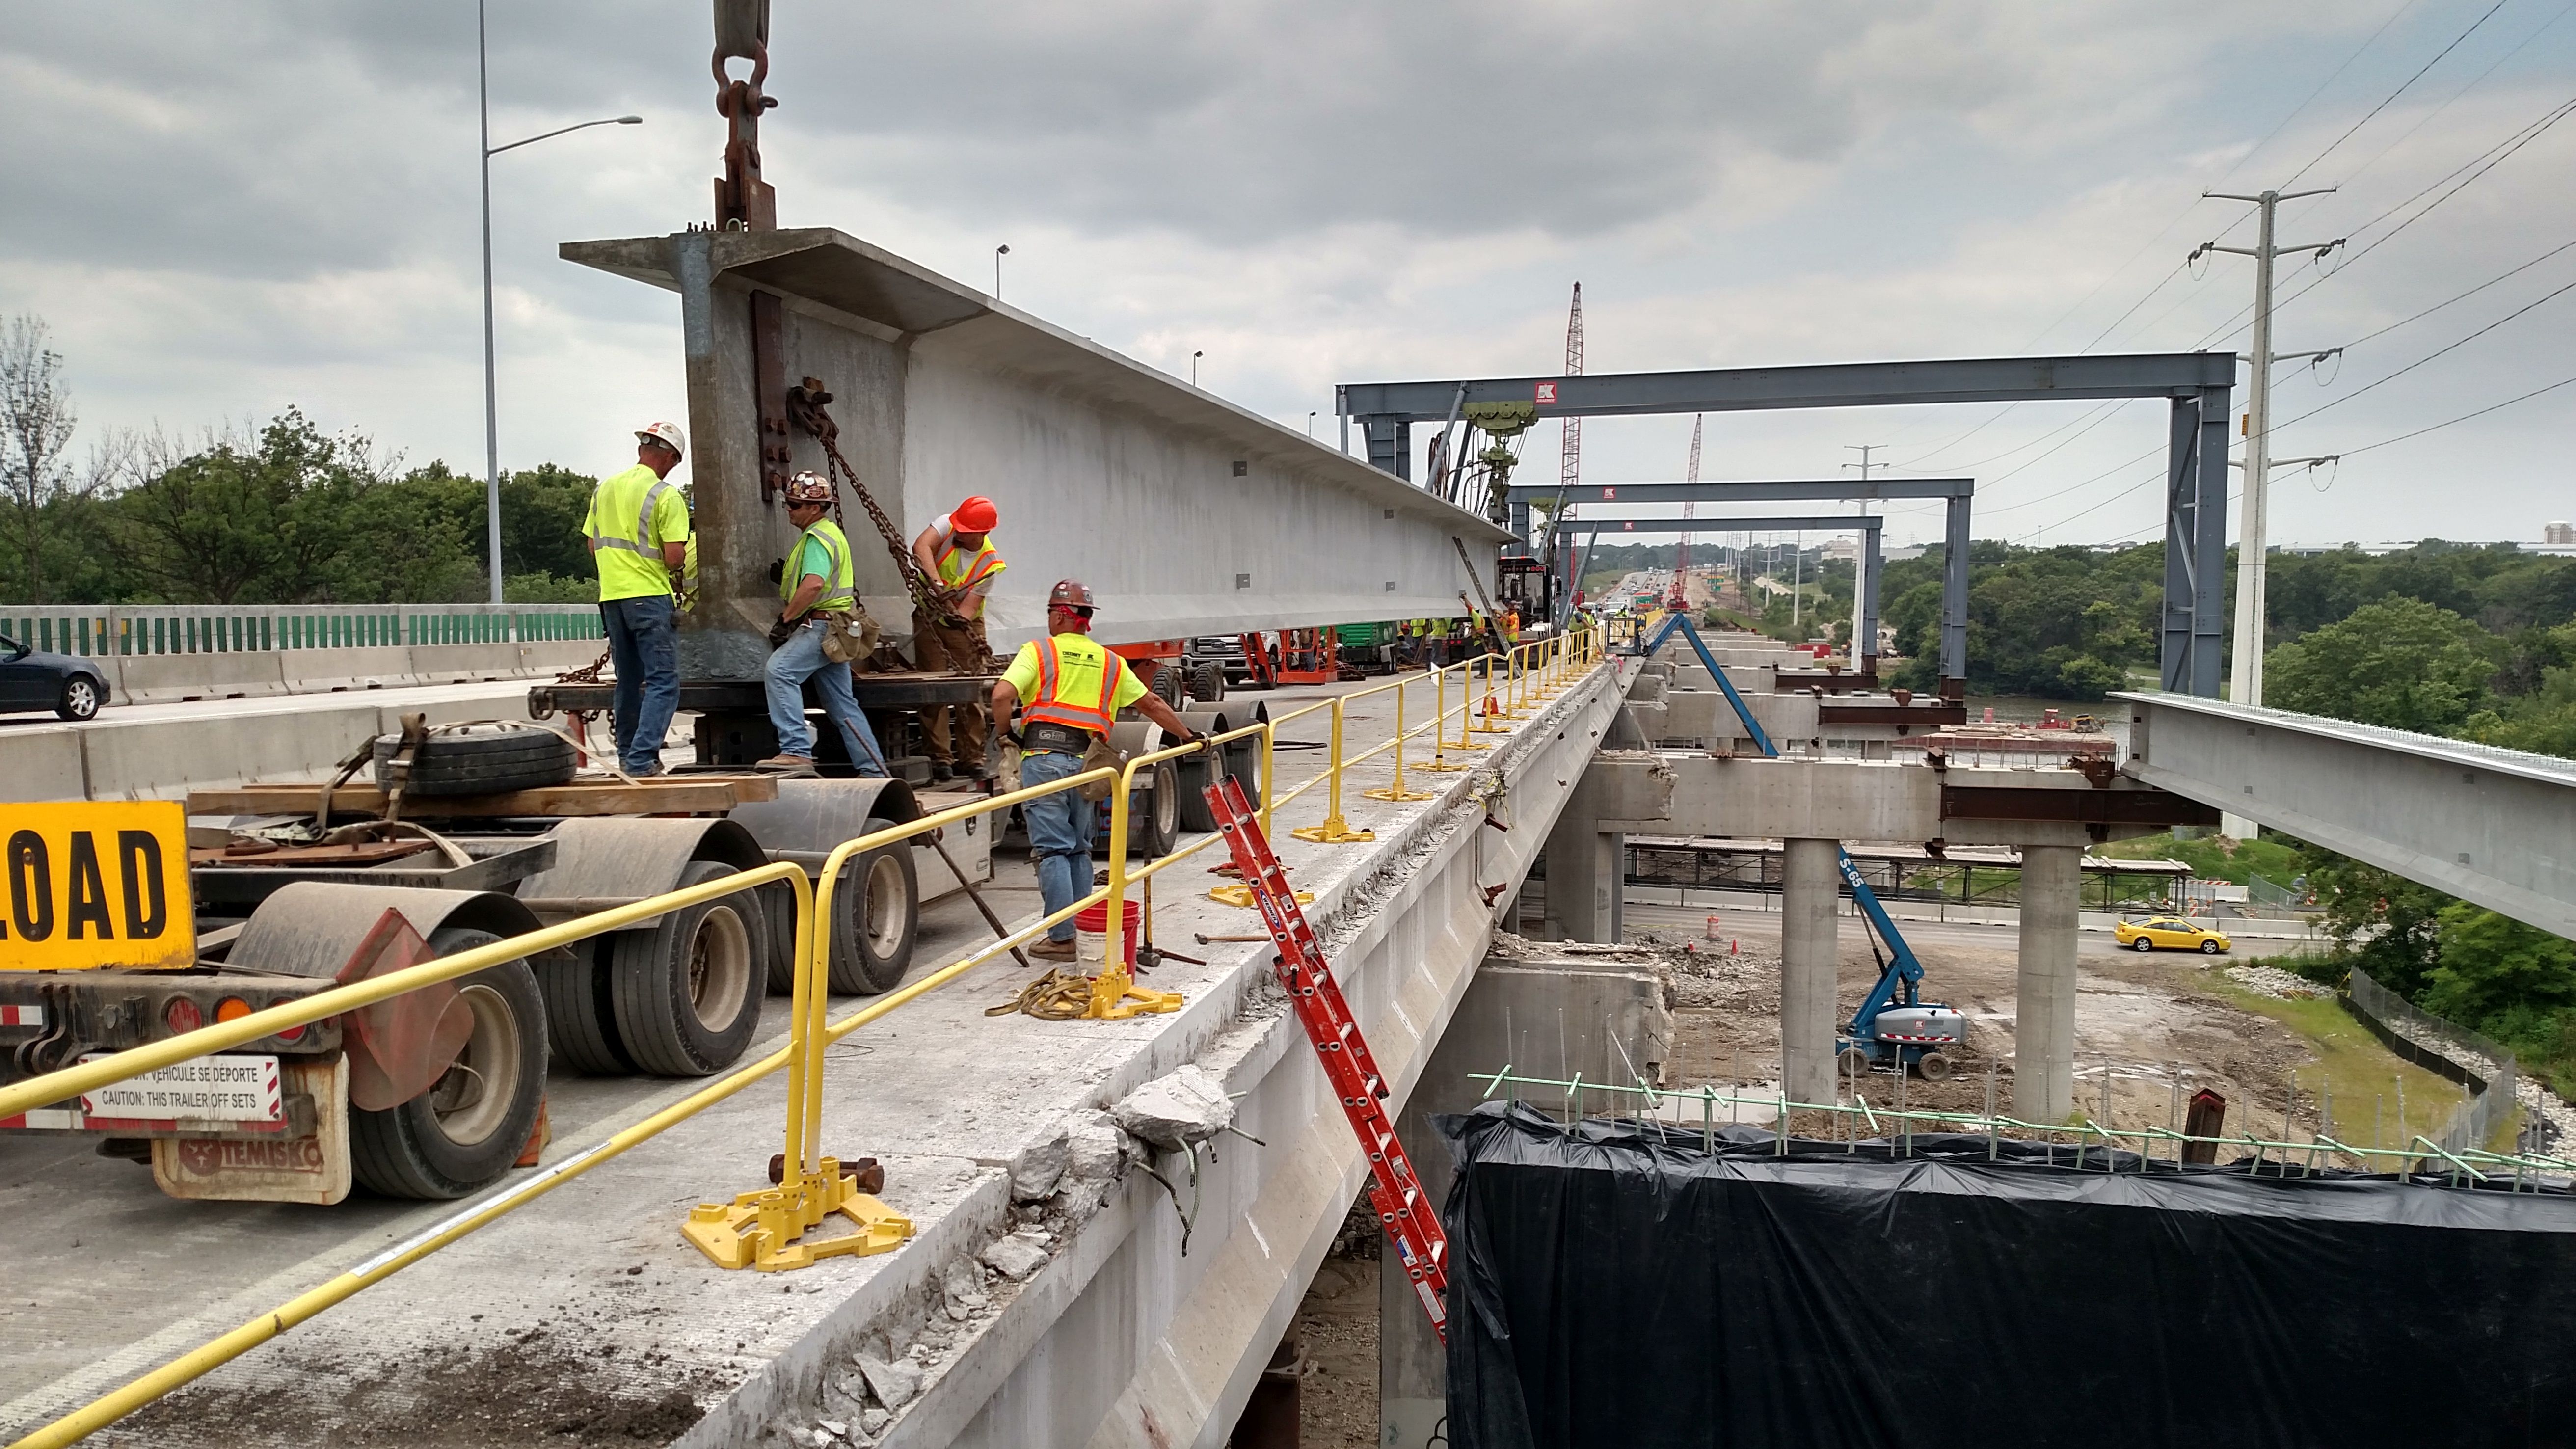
(286, 514)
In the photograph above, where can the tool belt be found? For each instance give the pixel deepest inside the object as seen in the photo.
(1048, 735)
(848, 635)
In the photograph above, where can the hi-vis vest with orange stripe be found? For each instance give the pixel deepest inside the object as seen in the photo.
(1090, 713)
(961, 570)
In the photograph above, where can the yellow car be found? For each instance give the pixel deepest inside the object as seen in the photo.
(2173, 932)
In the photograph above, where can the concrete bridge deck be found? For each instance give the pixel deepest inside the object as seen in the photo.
(605, 1322)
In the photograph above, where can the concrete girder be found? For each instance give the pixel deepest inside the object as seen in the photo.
(1187, 514)
(2497, 827)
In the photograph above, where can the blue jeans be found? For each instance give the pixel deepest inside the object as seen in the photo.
(1059, 835)
(644, 645)
(797, 660)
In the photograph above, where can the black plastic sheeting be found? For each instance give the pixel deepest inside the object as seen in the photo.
(1614, 1285)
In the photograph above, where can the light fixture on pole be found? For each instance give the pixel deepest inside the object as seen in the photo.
(491, 384)
(999, 252)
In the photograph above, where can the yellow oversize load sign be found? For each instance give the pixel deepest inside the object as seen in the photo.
(91, 885)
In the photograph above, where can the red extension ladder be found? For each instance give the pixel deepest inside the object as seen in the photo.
(1393, 1189)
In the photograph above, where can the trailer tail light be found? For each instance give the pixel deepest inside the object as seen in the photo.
(231, 1008)
(290, 1035)
(182, 1015)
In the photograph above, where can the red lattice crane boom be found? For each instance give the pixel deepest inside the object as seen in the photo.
(1680, 599)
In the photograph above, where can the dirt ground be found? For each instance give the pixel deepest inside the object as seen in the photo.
(2152, 1021)
(1337, 1404)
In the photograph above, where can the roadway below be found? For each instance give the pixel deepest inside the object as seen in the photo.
(578, 1319)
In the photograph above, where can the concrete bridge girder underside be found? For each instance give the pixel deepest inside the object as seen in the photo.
(1122, 1339)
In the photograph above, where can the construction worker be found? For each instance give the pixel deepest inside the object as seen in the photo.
(638, 534)
(957, 550)
(1068, 691)
(815, 583)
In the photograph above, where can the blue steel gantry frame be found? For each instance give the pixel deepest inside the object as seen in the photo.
(2197, 384)
(1955, 492)
(1865, 630)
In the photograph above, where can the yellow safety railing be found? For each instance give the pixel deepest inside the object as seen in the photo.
(762, 1229)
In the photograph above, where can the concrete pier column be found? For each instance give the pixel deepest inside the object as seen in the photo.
(1809, 967)
(1586, 880)
(2044, 1010)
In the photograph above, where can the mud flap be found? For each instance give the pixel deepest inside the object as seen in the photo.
(313, 1169)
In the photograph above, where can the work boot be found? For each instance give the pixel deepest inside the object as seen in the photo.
(1051, 951)
(940, 773)
(789, 764)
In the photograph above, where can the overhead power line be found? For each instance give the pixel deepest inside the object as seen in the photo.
(2401, 90)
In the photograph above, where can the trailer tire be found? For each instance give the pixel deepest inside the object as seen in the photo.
(460, 1135)
(1168, 683)
(876, 911)
(1154, 820)
(581, 1012)
(478, 760)
(688, 992)
(1207, 683)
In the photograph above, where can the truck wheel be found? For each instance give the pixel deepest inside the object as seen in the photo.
(876, 909)
(1207, 683)
(1934, 1067)
(581, 1012)
(1154, 816)
(1168, 682)
(688, 992)
(471, 1124)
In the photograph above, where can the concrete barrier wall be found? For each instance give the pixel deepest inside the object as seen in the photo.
(162, 756)
(173, 678)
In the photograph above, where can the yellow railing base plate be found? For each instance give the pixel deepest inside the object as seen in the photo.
(1443, 766)
(1116, 998)
(1335, 831)
(765, 1230)
(1471, 744)
(1391, 793)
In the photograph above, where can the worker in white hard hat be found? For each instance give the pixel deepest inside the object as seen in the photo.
(814, 637)
(1068, 691)
(638, 533)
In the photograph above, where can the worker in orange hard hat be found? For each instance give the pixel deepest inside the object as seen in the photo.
(956, 552)
(1068, 691)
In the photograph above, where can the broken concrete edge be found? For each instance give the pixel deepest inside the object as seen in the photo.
(1235, 1030)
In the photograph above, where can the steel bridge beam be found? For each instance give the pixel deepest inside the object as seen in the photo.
(2497, 827)
(2197, 383)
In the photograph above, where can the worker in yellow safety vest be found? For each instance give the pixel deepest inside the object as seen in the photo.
(1068, 691)
(957, 551)
(816, 588)
(638, 534)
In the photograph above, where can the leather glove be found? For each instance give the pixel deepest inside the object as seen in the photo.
(777, 570)
(780, 631)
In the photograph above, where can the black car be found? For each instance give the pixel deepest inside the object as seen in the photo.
(71, 687)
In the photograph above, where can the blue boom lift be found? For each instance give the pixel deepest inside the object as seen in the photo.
(1893, 1028)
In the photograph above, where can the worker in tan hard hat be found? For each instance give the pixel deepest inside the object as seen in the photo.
(1068, 691)
(638, 534)
(818, 606)
(956, 551)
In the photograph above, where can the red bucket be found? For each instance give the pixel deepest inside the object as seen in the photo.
(1091, 934)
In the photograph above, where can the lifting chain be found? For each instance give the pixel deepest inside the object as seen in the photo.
(805, 405)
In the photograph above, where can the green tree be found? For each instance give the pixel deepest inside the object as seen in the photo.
(2401, 663)
(2382, 922)
(2494, 966)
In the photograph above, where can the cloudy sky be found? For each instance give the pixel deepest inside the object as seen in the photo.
(226, 209)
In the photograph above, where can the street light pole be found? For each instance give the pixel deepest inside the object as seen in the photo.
(999, 252)
(491, 380)
(1194, 366)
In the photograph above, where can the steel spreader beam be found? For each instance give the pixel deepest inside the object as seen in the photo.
(2488, 825)
(1587, 495)
(1829, 385)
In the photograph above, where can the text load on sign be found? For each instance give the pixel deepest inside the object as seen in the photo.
(94, 884)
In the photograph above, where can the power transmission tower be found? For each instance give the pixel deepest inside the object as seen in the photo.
(1864, 465)
(2245, 686)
